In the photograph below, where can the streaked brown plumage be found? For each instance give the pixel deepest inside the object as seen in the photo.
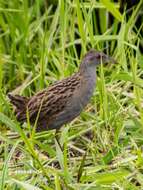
(64, 100)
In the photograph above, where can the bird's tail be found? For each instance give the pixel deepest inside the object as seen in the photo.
(20, 103)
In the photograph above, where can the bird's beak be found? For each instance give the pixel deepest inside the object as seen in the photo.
(108, 59)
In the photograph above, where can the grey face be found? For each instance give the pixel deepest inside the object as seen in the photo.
(95, 57)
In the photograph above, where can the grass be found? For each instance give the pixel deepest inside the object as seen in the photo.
(42, 42)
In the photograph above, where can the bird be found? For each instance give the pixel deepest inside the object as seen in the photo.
(60, 103)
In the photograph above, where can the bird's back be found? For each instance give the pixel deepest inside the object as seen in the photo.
(48, 104)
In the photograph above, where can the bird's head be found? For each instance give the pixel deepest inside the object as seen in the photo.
(94, 58)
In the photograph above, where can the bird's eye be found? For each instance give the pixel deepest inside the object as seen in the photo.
(98, 56)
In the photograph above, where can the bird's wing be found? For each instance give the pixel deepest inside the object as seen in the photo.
(53, 100)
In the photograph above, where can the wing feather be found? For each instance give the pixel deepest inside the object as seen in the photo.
(51, 101)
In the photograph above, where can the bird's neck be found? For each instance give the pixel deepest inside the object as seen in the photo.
(88, 81)
(88, 72)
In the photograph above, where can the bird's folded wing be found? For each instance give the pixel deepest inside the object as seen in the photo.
(52, 101)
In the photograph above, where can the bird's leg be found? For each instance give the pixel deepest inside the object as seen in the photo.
(57, 139)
